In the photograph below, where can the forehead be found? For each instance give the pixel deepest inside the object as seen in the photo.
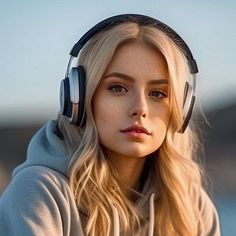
(138, 59)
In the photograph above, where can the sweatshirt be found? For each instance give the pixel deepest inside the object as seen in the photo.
(38, 200)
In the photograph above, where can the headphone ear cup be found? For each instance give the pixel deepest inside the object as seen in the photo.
(74, 89)
(82, 80)
(65, 103)
(72, 96)
(188, 104)
(69, 96)
(186, 88)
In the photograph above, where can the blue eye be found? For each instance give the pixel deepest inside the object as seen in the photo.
(158, 94)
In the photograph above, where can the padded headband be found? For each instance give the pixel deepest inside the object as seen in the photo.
(141, 20)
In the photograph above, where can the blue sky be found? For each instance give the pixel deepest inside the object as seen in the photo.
(37, 35)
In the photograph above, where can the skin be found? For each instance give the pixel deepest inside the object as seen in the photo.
(134, 91)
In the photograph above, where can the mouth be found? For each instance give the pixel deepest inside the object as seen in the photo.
(135, 129)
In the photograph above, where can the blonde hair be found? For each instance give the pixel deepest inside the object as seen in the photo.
(177, 176)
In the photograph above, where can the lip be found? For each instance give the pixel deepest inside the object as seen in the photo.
(136, 129)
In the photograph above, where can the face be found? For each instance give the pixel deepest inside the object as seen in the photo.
(131, 105)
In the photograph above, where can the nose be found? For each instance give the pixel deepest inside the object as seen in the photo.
(138, 106)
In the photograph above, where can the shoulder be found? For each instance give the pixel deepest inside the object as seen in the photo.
(210, 218)
(37, 181)
(35, 184)
(37, 195)
(39, 174)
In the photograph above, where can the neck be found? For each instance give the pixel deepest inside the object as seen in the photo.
(129, 170)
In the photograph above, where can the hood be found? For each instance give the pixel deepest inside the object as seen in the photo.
(47, 148)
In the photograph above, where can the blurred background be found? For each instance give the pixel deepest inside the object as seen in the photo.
(36, 37)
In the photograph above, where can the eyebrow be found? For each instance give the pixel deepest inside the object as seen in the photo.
(129, 78)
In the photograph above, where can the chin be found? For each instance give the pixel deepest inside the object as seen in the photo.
(136, 154)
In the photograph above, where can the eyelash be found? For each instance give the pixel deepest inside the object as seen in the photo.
(114, 88)
(117, 88)
(161, 93)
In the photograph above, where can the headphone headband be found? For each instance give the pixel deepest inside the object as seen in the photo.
(141, 20)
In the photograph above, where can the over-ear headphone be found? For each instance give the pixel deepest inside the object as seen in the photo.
(72, 89)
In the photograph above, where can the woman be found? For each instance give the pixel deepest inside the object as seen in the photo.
(126, 169)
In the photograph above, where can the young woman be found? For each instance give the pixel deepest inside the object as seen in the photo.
(128, 167)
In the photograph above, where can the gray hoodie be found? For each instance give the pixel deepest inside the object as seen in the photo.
(38, 200)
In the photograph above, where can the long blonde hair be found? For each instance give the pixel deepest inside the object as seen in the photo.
(177, 176)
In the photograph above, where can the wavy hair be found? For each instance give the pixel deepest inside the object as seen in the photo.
(94, 182)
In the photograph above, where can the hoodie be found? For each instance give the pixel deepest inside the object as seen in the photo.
(38, 200)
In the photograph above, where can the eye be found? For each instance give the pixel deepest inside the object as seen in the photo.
(158, 94)
(117, 88)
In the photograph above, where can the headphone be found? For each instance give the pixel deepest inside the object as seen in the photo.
(72, 88)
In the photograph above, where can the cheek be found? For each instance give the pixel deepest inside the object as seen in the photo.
(161, 122)
(159, 135)
(162, 115)
(105, 117)
(104, 111)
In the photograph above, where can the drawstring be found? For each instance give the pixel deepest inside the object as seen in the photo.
(151, 215)
(116, 221)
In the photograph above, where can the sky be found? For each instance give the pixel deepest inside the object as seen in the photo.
(37, 35)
